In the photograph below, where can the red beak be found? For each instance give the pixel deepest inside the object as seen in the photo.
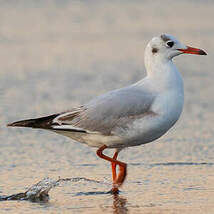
(191, 50)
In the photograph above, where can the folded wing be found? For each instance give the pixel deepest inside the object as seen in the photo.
(103, 114)
(107, 112)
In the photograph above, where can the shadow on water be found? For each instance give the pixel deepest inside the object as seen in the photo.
(93, 193)
(119, 205)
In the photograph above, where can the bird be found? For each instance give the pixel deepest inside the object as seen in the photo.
(130, 116)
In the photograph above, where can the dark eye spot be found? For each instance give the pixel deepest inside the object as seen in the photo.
(170, 44)
(154, 50)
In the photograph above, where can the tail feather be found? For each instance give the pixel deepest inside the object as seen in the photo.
(42, 122)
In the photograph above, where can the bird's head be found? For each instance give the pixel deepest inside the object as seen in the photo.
(163, 48)
(167, 46)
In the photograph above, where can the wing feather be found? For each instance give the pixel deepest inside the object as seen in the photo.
(106, 112)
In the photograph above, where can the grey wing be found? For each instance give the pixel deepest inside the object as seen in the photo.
(105, 113)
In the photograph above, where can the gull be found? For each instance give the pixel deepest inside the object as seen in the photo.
(129, 116)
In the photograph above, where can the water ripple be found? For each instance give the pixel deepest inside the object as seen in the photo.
(39, 191)
(174, 164)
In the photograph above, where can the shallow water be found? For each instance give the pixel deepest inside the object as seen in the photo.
(60, 54)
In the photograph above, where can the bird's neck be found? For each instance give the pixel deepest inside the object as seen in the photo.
(164, 73)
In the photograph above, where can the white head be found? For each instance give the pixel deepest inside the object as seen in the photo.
(164, 47)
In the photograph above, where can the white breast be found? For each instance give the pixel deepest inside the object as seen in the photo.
(167, 106)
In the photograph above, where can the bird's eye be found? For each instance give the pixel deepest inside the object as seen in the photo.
(170, 44)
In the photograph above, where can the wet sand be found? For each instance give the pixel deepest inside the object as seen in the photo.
(56, 55)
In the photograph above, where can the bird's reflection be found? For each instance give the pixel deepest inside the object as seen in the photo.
(119, 205)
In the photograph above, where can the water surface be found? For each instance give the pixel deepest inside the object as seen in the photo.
(59, 54)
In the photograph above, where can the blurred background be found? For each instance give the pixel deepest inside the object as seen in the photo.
(55, 55)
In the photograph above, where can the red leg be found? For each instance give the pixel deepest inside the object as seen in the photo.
(122, 168)
(114, 165)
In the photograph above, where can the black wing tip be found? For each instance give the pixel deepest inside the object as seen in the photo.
(42, 122)
(69, 130)
(23, 123)
(11, 124)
